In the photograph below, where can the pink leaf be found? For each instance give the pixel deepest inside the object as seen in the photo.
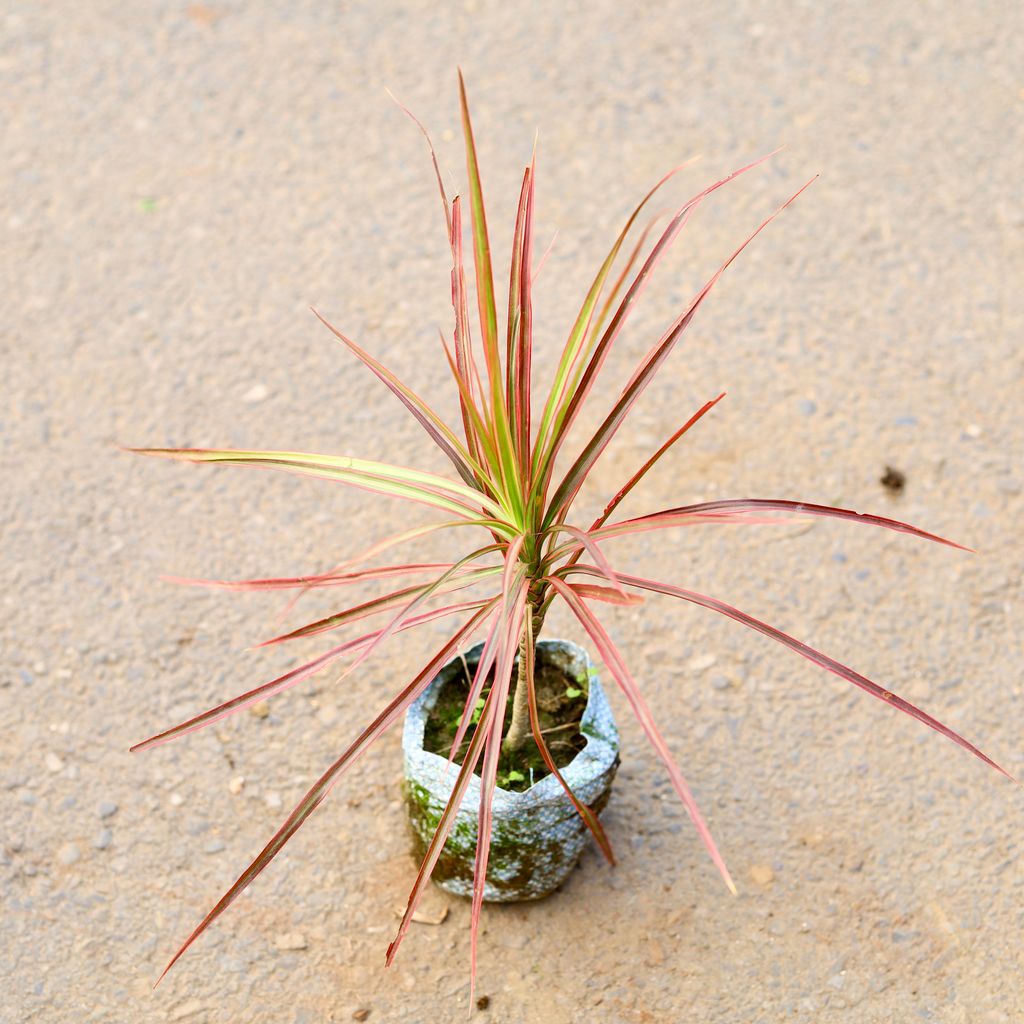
(823, 660)
(611, 657)
(323, 785)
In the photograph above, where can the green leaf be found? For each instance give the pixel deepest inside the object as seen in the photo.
(381, 477)
(481, 249)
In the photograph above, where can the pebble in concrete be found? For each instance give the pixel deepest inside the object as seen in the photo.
(68, 854)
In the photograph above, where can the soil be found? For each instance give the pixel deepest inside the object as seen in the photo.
(561, 701)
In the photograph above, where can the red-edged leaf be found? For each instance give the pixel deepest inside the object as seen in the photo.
(573, 480)
(296, 675)
(822, 660)
(379, 547)
(437, 842)
(492, 725)
(462, 333)
(405, 614)
(575, 350)
(544, 258)
(595, 328)
(322, 786)
(514, 285)
(600, 352)
(613, 659)
(643, 470)
(491, 647)
(383, 545)
(464, 367)
(477, 431)
(588, 543)
(482, 444)
(606, 594)
(524, 338)
(479, 680)
(481, 252)
(679, 516)
(440, 433)
(450, 581)
(329, 579)
(588, 817)
(433, 156)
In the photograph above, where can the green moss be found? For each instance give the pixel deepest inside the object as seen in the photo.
(516, 855)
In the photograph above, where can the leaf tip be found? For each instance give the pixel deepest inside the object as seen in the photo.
(163, 973)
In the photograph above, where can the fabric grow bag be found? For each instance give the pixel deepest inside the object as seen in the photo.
(536, 836)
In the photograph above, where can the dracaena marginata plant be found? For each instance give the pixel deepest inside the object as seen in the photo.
(506, 489)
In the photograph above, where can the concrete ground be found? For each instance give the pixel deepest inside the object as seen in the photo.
(180, 183)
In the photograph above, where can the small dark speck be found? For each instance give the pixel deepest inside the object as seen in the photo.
(483, 1002)
(893, 480)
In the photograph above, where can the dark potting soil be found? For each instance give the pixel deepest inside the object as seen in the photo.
(561, 701)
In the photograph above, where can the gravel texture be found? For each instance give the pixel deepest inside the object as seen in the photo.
(180, 182)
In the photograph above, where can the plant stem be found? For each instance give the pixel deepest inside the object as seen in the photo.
(543, 732)
(519, 727)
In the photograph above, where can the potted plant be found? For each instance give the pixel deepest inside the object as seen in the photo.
(532, 552)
